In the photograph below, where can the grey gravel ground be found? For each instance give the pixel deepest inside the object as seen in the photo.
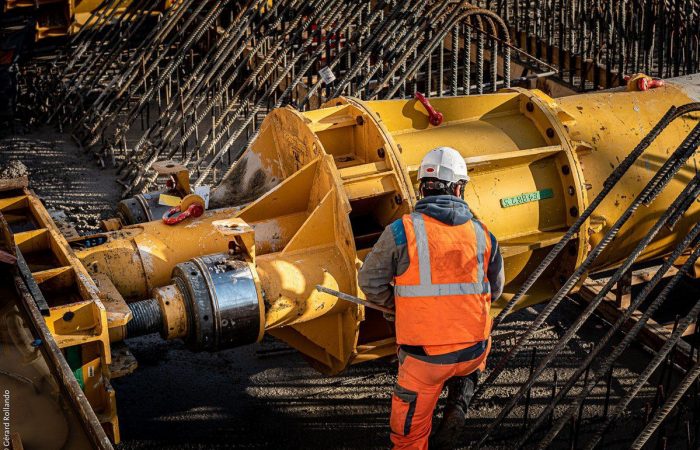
(241, 398)
(259, 397)
(65, 177)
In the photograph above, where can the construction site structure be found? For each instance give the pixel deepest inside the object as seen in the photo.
(64, 18)
(311, 195)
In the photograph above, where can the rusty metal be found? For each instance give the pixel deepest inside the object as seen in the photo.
(595, 43)
(208, 104)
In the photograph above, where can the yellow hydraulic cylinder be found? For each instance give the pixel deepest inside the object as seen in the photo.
(321, 186)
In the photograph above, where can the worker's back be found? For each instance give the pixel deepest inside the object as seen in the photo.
(443, 297)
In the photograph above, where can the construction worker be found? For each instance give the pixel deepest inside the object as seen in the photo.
(445, 268)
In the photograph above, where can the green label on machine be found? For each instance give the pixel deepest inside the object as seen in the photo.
(527, 197)
(74, 357)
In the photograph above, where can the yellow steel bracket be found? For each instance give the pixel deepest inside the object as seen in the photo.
(393, 150)
(308, 214)
(178, 173)
(241, 235)
(77, 318)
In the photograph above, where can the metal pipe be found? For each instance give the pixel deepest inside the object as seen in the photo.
(672, 165)
(353, 299)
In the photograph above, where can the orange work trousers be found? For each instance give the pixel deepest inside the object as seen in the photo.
(420, 382)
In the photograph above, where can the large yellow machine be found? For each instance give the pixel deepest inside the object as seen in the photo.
(59, 18)
(309, 198)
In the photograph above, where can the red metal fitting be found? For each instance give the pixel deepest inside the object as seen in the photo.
(175, 216)
(434, 116)
(646, 83)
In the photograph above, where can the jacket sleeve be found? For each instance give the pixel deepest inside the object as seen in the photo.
(387, 259)
(496, 274)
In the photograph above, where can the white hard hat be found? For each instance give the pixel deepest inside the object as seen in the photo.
(445, 164)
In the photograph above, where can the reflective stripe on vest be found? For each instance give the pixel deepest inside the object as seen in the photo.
(426, 288)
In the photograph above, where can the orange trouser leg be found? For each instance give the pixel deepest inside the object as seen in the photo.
(416, 393)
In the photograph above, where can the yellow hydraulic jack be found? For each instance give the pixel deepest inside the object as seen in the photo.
(310, 197)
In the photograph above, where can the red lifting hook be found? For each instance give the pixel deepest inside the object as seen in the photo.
(190, 206)
(175, 215)
(641, 82)
(647, 83)
(434, 116)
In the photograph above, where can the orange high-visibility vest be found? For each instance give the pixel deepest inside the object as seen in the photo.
(444, 296)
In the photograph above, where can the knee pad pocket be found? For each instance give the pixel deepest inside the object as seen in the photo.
(403, 406)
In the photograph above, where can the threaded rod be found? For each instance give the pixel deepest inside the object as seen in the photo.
(146, 318)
